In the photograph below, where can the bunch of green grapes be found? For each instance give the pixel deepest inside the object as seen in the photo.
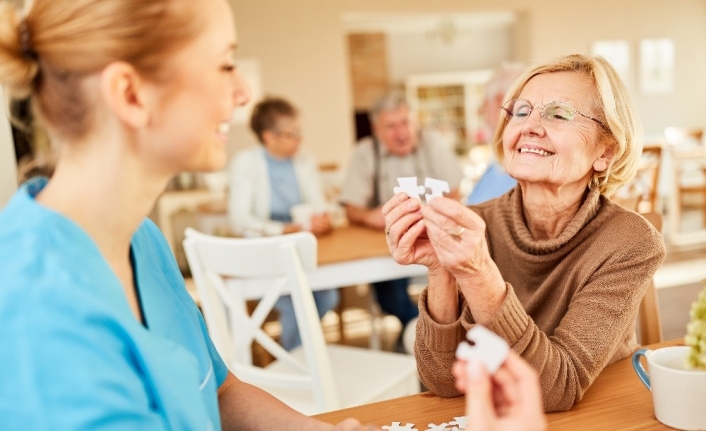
(696, 333)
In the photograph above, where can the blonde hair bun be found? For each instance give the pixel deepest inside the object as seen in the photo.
(18, 63)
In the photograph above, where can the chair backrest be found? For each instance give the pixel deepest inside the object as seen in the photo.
(229, 271)
(648, 314)
(641, 194)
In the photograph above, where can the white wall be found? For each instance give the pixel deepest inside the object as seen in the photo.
(416, 53)
(302, 50)
(8, 167)
(302, 57)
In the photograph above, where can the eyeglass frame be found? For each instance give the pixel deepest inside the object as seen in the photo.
(287, 134)
(506, 112)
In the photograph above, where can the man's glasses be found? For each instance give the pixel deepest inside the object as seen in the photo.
(555, 113)
(287, 134)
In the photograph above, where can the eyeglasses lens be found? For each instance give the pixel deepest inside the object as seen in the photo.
(289, 135)
(559, 112)
(516, 109)
(554, 112)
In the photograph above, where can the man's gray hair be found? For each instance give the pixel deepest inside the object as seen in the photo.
(391, 101)
(502, 79)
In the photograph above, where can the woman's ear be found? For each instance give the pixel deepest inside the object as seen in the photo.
(268, 136)
(602, 162)
(126, 93)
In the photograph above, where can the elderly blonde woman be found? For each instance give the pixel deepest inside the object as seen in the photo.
(552, 266)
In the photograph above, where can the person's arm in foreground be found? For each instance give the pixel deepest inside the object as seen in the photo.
(246, 407)
(508, 401)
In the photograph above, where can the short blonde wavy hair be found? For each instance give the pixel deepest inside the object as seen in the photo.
(615, 110)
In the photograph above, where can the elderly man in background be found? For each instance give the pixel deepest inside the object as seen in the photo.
(395, 150)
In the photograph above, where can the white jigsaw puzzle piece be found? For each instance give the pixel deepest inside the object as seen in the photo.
(440, 427)
(488, 348)
(397, 427)
(460, 421)
(410, 187)
(437, 187)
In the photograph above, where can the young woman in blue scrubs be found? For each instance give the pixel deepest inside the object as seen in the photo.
(96, 328)
(97, 331)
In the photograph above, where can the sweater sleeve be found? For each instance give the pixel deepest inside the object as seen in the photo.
(599, 316)
(357, 187)
(245, 185)
(435, 347)
(597, 321)
(309, 181)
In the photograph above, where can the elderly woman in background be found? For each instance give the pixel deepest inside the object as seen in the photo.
(552, 266)
(269, 180)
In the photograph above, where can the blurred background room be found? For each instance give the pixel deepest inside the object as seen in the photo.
(334, 58)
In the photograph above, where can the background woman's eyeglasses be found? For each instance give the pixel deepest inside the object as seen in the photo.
(288, 134)
(556, 113)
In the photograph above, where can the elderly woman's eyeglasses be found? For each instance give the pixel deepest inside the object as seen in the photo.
(556, 113)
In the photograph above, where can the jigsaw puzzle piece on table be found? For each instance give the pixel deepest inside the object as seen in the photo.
(409, 186)
(487, 348)
(460, 422)
(397, 427)
(440, 427)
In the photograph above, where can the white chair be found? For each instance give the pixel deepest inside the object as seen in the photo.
(688, 159)
(313, 378)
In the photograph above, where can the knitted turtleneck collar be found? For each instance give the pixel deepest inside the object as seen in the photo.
(588, 210)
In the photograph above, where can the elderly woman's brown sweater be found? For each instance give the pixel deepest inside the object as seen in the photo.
(571, 301)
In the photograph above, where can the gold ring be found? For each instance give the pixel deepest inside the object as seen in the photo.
(457, 235)
(387, 231)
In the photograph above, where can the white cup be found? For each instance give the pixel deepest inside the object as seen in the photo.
(678, 393)
(301, 215)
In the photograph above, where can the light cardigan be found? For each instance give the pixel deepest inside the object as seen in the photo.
(571, 301)
(249, 191)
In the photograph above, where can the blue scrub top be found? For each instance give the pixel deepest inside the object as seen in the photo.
(72, 354)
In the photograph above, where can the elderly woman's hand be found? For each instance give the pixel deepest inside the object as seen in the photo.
(457, 235)
(405, 232)
(321, 224)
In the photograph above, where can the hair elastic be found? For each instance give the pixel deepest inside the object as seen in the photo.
(25, 44)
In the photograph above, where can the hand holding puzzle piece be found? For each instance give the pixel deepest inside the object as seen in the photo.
(487, 348)
(409, 186)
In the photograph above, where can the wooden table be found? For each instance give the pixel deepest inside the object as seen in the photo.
(616, 401)
(351, 243)
(347, 257)
(357, 255)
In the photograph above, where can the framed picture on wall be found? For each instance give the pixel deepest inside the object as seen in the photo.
(656, 66)
(249, 69)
